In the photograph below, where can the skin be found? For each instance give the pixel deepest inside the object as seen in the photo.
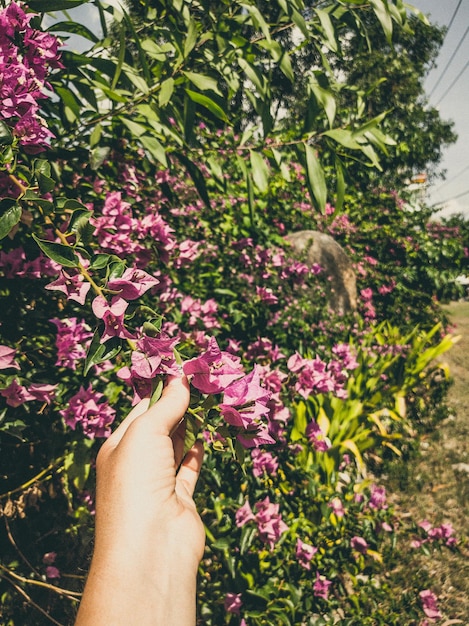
(149, 537)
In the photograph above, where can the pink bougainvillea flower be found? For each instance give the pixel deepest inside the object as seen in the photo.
(16, 394)
(49, 558)
(142, 386)
(88, 410)
(113, 317)
(430, 604)
(244, 515)
(244, 400)
(7, 358)
(359, 544)
(269, 522)
(73, 338)
(42, 393)
(233, 602)
(263, 462)
(255, 436)
(52, 572)
(304, 553)
(214, 370)
(132, 284)
(337, 507)
(317, 438)
(155, 355)
(321, 587)
(74, 287)
(378, 498)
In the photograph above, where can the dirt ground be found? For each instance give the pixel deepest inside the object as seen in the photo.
(436, 486)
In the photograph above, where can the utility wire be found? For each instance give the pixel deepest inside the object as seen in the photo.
(460, 195)
(444, 39)
(453, 83)
(449, 62)
(448, 180)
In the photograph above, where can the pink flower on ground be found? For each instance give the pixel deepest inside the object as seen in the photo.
(132, 284)
(214, 370)
(304, 553)
(430, 604)
(7, 356)
(233, 602)
(113, 317)
(74, 287)
(321, 587)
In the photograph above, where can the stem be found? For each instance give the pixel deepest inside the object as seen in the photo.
(71, 595)
(83, 271)
(33, 480)
(31, 601)
(18, 183)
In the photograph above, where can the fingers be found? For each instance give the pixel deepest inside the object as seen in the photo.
(164, 415)
(171, 407)
(190, 468)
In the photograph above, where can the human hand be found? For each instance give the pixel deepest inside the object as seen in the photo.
(149, 536)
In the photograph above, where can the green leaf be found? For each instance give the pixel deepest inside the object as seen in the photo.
(260, 171)
(316, 178)
(382, 13)
(203, 82)
(196, 176)
(208, 103)
(58, 252)
(191, 38)
(6, 138)
(9, 219)
(324, 98)
(328, 29)
(155, 148)
(45, 6)
(98, 155)
(345, 137)
(99, 352)
(45, 183)
(166, 91)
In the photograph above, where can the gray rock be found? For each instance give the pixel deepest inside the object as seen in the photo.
(325, 251)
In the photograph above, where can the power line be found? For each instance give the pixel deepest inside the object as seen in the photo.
(449, 62)
(453, 83)
(460, 195)
(452, 178)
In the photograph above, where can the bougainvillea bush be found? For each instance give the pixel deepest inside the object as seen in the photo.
(119, 269)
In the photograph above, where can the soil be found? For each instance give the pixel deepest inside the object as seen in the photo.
(435, 486)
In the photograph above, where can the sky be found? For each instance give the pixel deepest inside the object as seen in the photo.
(448, 89)
(447, 86)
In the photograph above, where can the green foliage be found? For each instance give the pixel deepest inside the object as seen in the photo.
(171, 155)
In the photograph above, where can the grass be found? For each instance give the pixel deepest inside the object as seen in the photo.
(435, 486)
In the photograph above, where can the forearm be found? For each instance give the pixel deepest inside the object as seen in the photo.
(155, 588)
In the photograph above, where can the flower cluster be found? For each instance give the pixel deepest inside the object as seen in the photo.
(443, 534)
(270, 524)
(26, 57)
(88, 410)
